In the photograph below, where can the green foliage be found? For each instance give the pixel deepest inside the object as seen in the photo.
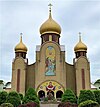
(6, 105)
(69, 96)
(97, 95)
(3, 96)
(97, 82)
(1, 82)
(13, 98)
(86, 95)
(30, 96)
(88, 103)
(21, 96)
(46, 99)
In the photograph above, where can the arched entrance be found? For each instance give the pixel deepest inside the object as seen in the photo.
(59, 94)
(50, 92)
(54, 88)
(41, 94)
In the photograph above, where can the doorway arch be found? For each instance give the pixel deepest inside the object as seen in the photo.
(59, 94)
(41, 94)
(50, 92)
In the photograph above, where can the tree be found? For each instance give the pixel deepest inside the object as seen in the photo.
(3, 96)
(97, 82)
(69, 96)
(97, 95)
(88, 103)
(13, 98)
(21, 96)
(86, 95)
(30, 96)
(1, 82)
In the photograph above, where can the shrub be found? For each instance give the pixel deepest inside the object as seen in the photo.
(22, 105)
(69, 96)
(31, 104)
(46, 99)
(13, 98)
(97, 95)
(3, 96)
(30, 96)
(21, 96)
(88, 103)
(6, 105)
(86, 95)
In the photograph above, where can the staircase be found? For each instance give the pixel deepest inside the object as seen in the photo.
(48, 105)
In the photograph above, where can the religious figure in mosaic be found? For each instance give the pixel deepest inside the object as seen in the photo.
(50, 62)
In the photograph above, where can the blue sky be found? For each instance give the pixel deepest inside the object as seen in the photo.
(26, 16)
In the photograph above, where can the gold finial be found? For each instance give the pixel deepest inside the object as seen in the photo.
(21, 37)
(50, 9)
(80, 36)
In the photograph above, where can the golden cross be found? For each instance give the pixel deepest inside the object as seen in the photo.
(21, 34)
(50, 7)
(79, 36)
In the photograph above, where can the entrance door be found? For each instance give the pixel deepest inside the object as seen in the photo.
(59, 94)
(41, 94)
(50, 92)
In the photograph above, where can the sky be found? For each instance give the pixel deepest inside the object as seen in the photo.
(26, 16)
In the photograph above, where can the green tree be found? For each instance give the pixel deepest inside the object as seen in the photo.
(97, 95)
(69, 96)
(13, 98)
(21, 96)
(86, 95)
(1, 82)
(3, 96)
(97, 82)
(30, 96)
(88, 103)
(6, 105)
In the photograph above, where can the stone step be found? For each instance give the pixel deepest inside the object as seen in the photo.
(48, 105)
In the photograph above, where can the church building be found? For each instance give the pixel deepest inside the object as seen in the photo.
(50, 73)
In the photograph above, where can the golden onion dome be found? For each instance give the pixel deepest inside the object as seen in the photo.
(50, 26)
(20, 47)
(80, 46)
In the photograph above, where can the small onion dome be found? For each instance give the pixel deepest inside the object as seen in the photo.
(50, 26)
(80, 46)
(21, 47)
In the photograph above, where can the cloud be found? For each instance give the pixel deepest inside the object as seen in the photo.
(27, 16)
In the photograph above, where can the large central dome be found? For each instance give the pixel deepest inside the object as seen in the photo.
(50, 26)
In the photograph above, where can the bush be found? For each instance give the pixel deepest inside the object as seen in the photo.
(6, 105)
(3, 96)
(31, 104)
(86, 95)
(22, 105)
(46, 99)
(13, 98)
(21, 96)
(88, 103)
(30, 96)
(69, 96)
(97, 95)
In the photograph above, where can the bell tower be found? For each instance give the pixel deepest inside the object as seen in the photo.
(19, 67)
(82, 66)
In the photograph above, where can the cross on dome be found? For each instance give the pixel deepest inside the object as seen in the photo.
(50, 5)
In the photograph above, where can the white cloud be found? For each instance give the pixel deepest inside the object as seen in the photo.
(26, 16)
